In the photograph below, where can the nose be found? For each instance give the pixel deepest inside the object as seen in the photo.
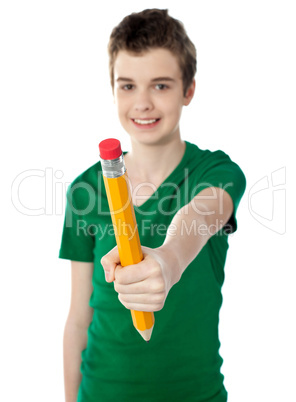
(143, 102)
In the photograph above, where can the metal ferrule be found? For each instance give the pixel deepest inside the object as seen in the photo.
(113, 168)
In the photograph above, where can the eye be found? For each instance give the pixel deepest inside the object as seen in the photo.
(161, 87)
(127, 87)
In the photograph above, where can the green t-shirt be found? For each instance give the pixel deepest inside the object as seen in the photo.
(181, 362)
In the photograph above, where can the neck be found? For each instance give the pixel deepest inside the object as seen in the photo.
(154, 162)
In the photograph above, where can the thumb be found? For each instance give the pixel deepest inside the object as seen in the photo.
(109, 263)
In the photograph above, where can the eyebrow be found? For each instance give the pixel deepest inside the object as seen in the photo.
(163, 79)
(154, 79)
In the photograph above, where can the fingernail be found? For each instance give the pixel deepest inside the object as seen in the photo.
(107, 276)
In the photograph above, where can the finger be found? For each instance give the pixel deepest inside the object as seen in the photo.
(143, 287)
(131, 273)
(109, 263)
(141, 298)
(133, 288)
(142, 304)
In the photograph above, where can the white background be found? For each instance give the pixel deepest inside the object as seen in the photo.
(56, 106)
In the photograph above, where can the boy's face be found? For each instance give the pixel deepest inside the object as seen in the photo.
(148, 91)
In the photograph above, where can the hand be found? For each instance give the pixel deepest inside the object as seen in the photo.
(143, 286)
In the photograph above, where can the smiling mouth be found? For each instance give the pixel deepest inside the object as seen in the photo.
(145, 122)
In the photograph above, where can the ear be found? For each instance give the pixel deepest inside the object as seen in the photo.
(189, 94)
(113, 95)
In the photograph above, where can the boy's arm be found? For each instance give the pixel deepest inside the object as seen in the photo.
(194, 224)
(145, 286)
(75, 333)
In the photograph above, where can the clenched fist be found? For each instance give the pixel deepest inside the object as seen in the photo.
(143, 286)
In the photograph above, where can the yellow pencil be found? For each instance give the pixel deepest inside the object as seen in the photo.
(124, 220)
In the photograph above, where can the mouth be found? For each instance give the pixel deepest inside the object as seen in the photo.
(145, 123)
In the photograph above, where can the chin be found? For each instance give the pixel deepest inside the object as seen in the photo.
(152, 140)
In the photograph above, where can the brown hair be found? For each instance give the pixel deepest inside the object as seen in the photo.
(154, 28)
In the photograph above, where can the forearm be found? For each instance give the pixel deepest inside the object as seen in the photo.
(74, 342)
(184, 240)
(193, 225)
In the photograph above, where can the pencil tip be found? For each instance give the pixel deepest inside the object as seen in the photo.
(147, 341)
(145, 334)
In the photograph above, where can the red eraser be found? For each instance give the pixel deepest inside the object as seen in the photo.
(110, 148)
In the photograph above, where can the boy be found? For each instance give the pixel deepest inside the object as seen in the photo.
(185, 204)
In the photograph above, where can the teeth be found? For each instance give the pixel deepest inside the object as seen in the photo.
(144, 121)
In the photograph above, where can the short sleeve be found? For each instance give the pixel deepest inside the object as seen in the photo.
(77, 241)
(222, 172)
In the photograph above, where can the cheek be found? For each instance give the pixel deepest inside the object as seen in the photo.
(174, 109)
(121, 106)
